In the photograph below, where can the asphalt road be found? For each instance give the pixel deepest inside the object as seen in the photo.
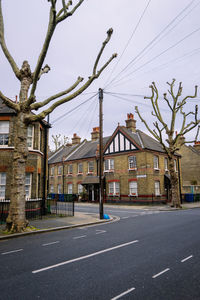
(141, 256)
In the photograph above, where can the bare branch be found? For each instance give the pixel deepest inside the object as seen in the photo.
(9, 102)
(44, 70)
(49, 34)
(165, 98)
(4, 47)
(35, 106)
(68, 14)
(44, 113)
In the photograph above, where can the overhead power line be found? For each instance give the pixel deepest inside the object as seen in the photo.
(129, 40)
(155, 57)
(149, 44)
(73, 109)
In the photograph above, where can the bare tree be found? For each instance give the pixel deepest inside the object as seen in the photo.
(59, 141)
(28, 79)
(167, 129)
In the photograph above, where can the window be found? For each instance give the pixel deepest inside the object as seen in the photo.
(70, 169)
(132, 162)
(4, 132)
(80, 168)
(90, 167)
(166, 164)
(114, 188)
(60, 170)
(52, 171)
(30, 136)
(133, 188)
(157, 188)
(69, 188)
(175, 166)
(155, 162)
(28, 180)
(40, 140)
(59, 188)
(80, 188)
(51, 188)
(109, 165)
(2, 185)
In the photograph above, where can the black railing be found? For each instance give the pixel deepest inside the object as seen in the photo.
(61, 204)
(33, 209)
(55, 204)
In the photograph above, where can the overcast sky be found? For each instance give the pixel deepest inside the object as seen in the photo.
(156, 40)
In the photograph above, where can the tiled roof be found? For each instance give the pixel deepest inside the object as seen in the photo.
(86, 150)
(5, 110)
(64, 151)
(144, 140)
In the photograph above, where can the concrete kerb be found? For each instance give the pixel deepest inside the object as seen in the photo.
(16, 235)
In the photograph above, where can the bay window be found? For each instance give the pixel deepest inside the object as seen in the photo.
(2, 185)
(28, 182)
(30, 130)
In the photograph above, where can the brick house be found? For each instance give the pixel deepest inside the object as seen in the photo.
(135, 167)
(36, 168)
(190, 165)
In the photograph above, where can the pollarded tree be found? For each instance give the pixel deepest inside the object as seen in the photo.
(167, 129)
(28, 79)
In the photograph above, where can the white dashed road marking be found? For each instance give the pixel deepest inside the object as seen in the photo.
(183, 260)
(13, 251)
(123, 294)
(154, 276)
(47, 244)
(79, 237)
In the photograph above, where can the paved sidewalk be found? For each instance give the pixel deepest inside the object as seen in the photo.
(49, 223)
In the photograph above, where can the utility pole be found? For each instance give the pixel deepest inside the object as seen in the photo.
(101, 187)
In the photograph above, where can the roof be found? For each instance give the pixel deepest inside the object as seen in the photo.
(143, 140)
(195, 150)
(86, 150)
(5, 110)
(61, 153)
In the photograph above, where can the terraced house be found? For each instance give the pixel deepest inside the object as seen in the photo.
(36, 168)
(135, 167)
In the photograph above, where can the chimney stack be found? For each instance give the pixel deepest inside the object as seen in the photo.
(197, 145)
(131, 123)
(95, 134)
(76, 139)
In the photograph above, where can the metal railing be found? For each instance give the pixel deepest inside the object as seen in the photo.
(55, 204)
(33, 209)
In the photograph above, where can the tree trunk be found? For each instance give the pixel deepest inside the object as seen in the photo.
(16, 221)
(174, 185)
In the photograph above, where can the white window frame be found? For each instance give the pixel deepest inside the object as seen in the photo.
(90, 166)
(30, 138)
(59, 188)
(70, 188)
(4, 132)
(156, 162)
(166, 163)
(52, 171)
(157, 188)
(80, 188)
(2, 185)
(80, 168)
(109, 165)
(133, 188)
(28, 185)
(114, 188)
(132, 163)
(60, 168)
(70, 169)
(51, 188)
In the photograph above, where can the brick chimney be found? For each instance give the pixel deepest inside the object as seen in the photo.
(76, 139)
(130, 122)
(95, 134)
(197, 145)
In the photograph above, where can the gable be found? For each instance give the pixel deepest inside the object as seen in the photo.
(120, 143)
